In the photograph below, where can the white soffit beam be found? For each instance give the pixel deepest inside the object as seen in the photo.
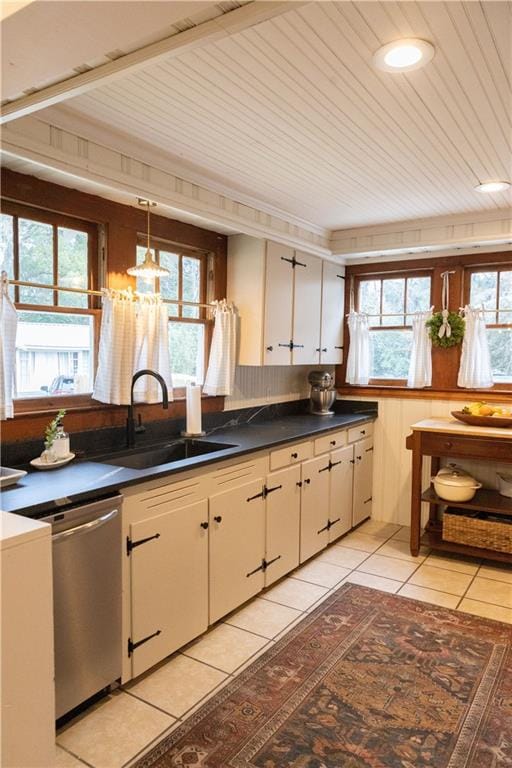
(480, 228)
(75, 157)
(210, 31)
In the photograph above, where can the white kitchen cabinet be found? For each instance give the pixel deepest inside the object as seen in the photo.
(307, 299)
(282, 531)
(169, 583)
(278, 293)
(363, 473)
(237, 546)
(340, 492)
(314, 507)
(333, 308)
(278, 328)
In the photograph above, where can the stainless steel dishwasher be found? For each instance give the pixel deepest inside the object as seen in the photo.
(87, 558)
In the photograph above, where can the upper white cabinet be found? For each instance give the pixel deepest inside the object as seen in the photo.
(333, 307)
(290, 304)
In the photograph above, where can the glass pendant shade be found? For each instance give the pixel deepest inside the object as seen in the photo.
(149, 268)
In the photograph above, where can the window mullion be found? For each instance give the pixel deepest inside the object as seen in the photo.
(55, 264)
(16, 256)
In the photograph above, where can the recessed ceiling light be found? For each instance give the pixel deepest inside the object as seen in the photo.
(403, 55)
(493, 186)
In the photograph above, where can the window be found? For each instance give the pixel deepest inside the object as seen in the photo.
(491, 289)
(55, 341)
(389, 302)
(187, 322)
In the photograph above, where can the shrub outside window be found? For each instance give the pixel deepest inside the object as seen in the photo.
(491, 289)
(389, 303)
(55, 343)
(188, 326)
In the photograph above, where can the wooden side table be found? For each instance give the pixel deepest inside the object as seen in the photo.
(451, 439)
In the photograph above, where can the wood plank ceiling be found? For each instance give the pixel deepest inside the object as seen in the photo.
(293, 113)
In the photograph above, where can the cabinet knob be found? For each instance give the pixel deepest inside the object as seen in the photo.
(333, 442)
(294, 455)
(359, 458)
(204, 525)
(352, 461)
(270, 349)
(324, 349)
(307, 481)
(299, 484)
(363, 432)
(218, 519)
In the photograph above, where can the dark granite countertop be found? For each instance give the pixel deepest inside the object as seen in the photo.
(41, 493)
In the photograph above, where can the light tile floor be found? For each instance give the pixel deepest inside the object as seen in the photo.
(121, 728)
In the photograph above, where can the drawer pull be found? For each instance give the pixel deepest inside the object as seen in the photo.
(333, 442)
(205, 526)
(307, 481)
(362, 432)
(294, 455)
(270, 349)
(218, 519)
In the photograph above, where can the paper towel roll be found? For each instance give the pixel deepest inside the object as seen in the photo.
(193, 409)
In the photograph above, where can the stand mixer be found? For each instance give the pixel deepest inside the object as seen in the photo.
(323, 393)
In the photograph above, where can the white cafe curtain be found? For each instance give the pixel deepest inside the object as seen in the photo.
(359, 355)
(8, 325)
(134, 335)
(220, 375)
(420, 364)
(152, 348)
(475, 370)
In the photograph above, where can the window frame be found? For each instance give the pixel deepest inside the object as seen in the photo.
(158, 244)
(382, 276)
(470, 270)
(24, 405)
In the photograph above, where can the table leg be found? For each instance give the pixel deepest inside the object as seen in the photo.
(417, 465)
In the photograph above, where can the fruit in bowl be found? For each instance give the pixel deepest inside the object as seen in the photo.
(485, 409)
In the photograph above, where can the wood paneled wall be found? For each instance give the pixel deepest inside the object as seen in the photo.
(122, 225)
(392, 461)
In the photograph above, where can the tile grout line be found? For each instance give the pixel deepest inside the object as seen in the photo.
(81, 759)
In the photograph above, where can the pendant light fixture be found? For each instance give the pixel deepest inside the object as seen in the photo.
(149, 269)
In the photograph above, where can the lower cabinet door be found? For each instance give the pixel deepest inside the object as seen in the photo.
(314, 507)
(282, 523)
(340, 500)
(237, 547)
(169, 583)
(363, 480)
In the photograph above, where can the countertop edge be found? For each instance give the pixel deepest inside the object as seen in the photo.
(142, 476)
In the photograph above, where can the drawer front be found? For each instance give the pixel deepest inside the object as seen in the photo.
(330, 442)
(291, 454)
(435, 444)
(226, 477)
(360, 432)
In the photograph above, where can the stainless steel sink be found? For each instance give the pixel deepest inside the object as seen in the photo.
(144, 458)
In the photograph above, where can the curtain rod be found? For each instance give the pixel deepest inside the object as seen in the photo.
(88, 291)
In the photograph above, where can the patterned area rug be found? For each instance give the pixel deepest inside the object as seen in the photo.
(368, 680)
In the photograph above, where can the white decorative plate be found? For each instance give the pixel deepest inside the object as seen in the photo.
(40, 464)
(10, 476)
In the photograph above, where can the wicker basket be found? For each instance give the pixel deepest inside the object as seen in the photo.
(478, 529)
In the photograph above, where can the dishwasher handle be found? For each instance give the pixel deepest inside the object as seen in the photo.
(85, 527)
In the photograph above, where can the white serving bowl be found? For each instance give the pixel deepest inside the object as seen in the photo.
(456, 485)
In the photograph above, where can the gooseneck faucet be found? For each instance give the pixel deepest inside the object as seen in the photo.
(130, 422)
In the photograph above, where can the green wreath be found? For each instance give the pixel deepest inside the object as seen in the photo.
(457, 325)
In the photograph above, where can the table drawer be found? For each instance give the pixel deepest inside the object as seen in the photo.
(330, 442)
(444, 444)
(360, 432)
(291, 454)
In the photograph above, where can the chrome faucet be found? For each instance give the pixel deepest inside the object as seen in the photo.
(130, 422)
